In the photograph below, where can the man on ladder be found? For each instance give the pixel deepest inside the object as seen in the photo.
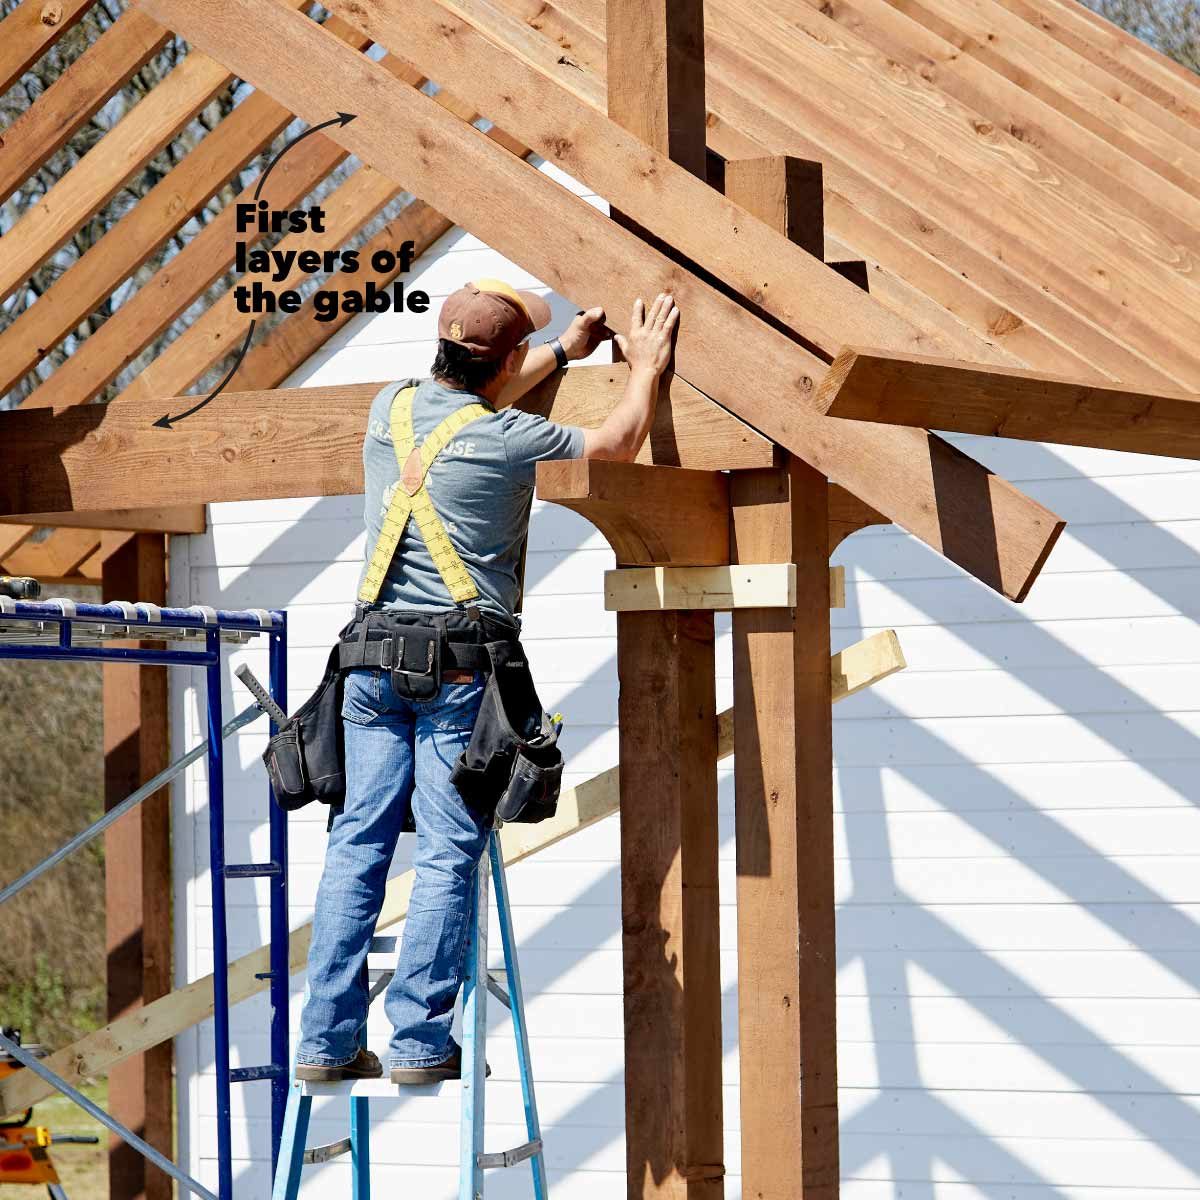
(449, 473)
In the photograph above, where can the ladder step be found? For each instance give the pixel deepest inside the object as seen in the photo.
(320, 1154)
(510, 1158)
(252, 1074)
(251, 870)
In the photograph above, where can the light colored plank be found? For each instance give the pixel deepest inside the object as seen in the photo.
(952, 503)
(657, 589)
(135, 139)
(30, 30)
(873, 385)
(866, 663)
(75, 96)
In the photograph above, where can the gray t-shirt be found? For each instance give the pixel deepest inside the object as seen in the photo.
(481, 486)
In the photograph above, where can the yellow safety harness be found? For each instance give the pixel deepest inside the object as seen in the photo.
(411, 498)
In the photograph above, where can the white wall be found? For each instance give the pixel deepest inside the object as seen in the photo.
(1017, 841)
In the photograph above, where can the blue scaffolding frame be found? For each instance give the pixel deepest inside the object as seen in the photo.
(65, 630)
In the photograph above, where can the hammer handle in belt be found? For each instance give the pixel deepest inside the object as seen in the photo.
(261, 694)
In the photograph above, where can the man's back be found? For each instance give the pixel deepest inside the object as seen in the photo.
(481, 486)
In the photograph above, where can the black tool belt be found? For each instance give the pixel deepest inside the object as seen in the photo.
(512, 769)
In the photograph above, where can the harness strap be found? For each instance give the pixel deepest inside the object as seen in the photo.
(411, 498)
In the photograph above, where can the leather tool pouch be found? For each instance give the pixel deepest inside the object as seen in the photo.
(305, 758)
(512, 768)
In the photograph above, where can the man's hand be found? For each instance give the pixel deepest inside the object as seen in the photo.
(648, 346)
(584, 334)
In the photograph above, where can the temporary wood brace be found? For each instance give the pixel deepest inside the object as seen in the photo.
(852, 669)
(873, 385)
(751, 585)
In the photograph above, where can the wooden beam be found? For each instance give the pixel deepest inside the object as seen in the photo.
(76, 95)
(137, 874)
(637, 176)
(952, 503)
(166, 519)
(124, 150)
(128, 244)
(648, 514)
(783, 817)
(30, 30)
(716, 589)
(674, 1140)
(289, 442)
(579, 808)
(872, 385)
(784, 192)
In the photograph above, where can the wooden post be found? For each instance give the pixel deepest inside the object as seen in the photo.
(137, 858)
(670, 915)
(668, 741)
(783, 777)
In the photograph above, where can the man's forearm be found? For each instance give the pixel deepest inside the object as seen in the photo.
(626, 427)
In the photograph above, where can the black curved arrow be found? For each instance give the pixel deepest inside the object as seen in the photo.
(166, 421)
(343, 118)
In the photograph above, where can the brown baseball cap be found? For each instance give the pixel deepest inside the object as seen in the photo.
(490, 317)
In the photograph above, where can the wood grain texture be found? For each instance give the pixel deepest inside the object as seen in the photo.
(669, 906)
(785, 193)
(59, 558)
(783, 816)
(289, 442)
(783, 779)
(952, 503)
(657, 589)
(869, 385)
(137, 873)
(124, 150)
(30, 30)
(127, 245)
(648, 514)
(579, 808)
(164, 518)
(76, 95)
(636, 176)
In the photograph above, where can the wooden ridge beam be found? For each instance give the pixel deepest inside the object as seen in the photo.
(872, 385)
(76, 95)
(173, 201)
(30, 30)
(952, 503)
(579, 808)
(292, 442)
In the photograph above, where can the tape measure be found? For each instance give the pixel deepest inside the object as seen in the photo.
(411, 499)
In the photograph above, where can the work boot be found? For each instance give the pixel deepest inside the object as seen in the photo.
(363, 1066)
(450, 1069)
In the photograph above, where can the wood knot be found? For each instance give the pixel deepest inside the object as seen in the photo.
(51, 13)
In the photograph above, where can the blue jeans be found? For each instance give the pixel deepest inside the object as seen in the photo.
(398, 752)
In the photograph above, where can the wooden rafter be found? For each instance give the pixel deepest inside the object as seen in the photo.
(952, 503)
(30, 30)
(872, 385)
(126, 246)
(57, 558)
(76, 95)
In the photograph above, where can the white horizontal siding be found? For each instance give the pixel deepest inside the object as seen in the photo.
(1017, 843)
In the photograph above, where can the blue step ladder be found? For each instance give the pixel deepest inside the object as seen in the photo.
(473, 1160)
